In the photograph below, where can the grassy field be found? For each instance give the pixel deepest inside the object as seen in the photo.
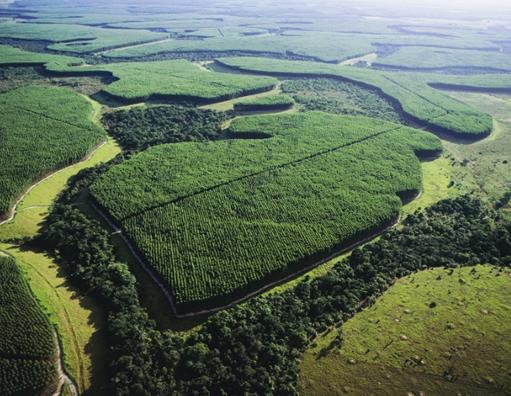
(485, 166)
(439, 332)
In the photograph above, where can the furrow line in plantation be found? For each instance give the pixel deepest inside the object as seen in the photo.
(269, 169)
(46, 116)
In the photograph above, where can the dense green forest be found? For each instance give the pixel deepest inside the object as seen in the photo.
(137, 129)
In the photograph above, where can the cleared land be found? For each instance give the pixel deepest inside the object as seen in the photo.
(440, 331)
(27, 345)
(279, 202)
(53, 125)
(485, 167)
(413, 94)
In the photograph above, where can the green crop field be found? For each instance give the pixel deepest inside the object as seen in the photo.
(440, 331)
(417, 98)
(177, 79)
(278, 202)
(27, 345)
(255, 198)
(322, 45)
(52, 124)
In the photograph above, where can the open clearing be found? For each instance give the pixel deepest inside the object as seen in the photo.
(438, 331)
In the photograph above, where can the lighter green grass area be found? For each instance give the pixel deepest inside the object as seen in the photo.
(78, 319)
(484, 167)
(436, 176)
(401, 345)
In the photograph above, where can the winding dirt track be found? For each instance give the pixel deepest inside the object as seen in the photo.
(63, 377)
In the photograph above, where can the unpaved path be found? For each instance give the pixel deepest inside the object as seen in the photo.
(63, 377)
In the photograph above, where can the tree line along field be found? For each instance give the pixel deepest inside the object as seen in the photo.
(180, 79)
(215, 218)
(325, 46)
(42, 129)
(414, 94)
(140, 81)
(27, 344)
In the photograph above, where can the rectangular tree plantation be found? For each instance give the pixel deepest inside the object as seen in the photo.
(216, 220)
